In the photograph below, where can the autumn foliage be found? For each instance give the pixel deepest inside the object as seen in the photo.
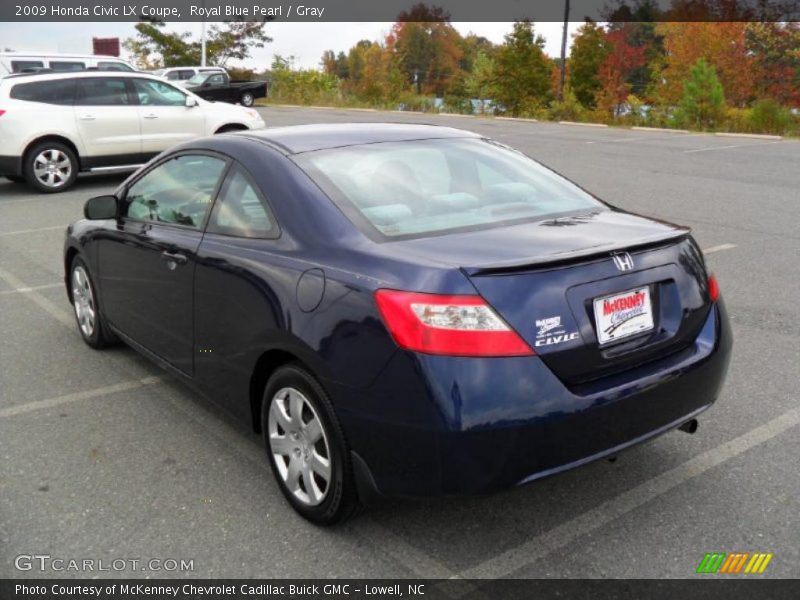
(708, 75)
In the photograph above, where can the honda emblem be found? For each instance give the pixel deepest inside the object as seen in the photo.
(623, 261)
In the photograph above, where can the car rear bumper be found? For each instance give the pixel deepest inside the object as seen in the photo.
(11, 165)
(442, 425)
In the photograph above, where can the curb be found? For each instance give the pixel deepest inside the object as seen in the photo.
(660, 129)
(755, 136)
(516, 119)
(582, 124)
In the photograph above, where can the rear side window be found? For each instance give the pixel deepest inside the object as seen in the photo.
(173, 76)
(58, 91)
(185, 74)
(177, 192)
(240, 210)
(18, 66)
(63, 65)
(102, 92)
(112, 66)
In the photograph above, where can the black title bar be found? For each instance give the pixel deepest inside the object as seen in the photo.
(392, 10)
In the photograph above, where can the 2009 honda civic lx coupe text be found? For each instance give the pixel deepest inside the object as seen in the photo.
(401, 309)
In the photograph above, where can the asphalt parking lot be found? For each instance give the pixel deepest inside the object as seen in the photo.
(105, 456)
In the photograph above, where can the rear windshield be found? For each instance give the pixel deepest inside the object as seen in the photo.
(426, 187)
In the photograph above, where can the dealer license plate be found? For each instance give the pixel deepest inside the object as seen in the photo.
(623, 315)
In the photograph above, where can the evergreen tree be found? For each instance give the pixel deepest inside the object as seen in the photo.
(703, 103)
(522, 72)
(588, 53)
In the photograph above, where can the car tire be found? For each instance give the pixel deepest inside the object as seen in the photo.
(15, 179)
(89, 317)
(248, 99)
(301, 434)
(50, 167)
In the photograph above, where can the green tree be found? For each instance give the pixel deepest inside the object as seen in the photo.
(703, 103)
(154, 47)
(523, 71)
(588, 53)
(480, 82)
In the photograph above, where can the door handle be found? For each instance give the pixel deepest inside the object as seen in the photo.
(175, 258)
(151, 116)
(87, 117)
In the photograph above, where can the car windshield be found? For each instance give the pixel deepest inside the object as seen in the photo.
(425, 187)
(197, 79)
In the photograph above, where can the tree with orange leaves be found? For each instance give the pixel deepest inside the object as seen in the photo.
(615, 71)
(427, 48)
(722, 44)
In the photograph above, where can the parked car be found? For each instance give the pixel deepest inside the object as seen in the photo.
(182, 74)
(53, 126)
(19, 62)
(401, 309)
(218, 87)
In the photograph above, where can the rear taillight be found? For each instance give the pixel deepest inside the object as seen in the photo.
(449, 325)
(713, 288)
(2, 112)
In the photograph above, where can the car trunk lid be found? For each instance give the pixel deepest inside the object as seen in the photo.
(597, 313)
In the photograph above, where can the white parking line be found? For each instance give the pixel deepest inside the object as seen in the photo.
(710, 148)
(27, 290)
(21, 409)
(561, 536)
(55, 311)
(24, 231)
(619, 140)
(719, 248)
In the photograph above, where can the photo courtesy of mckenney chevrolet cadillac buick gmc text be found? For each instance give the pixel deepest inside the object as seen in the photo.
(401, 309)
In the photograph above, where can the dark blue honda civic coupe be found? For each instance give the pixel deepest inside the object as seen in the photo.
(401, 309)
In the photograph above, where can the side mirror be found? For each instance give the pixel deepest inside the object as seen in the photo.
(101, 207)
(191, 101)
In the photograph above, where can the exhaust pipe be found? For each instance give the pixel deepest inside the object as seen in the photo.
(690, 426)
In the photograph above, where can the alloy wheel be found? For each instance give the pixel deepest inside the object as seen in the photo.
(83, 301)
(299, 446)
(52, 168)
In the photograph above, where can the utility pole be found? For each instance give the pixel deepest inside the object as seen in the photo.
(563, 73)
(203, 38)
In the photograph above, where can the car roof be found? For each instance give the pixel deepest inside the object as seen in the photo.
(307, 138)
(13, 54)
(80, 74)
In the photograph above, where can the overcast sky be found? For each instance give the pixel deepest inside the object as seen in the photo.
(306, 41)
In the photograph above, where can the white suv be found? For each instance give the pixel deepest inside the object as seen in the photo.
(53, 126)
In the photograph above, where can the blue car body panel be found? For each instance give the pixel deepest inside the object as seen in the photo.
(419, 424)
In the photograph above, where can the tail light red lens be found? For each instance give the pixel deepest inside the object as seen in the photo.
(2, 112)
(448, 325)
(713, 288)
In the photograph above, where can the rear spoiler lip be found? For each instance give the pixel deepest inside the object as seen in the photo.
(551, 260)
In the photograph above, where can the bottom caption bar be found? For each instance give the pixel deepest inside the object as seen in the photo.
(429, 589)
